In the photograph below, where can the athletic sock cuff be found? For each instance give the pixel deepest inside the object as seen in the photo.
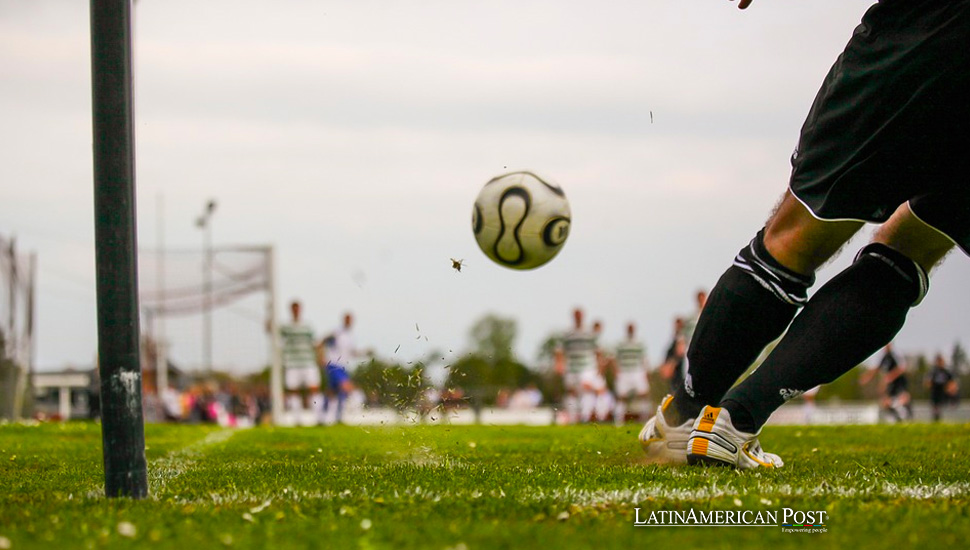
(783, 283)
(902, 265)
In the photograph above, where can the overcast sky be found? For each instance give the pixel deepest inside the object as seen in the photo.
(353, 136)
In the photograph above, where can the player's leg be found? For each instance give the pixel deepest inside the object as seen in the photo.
(755, 300)
(311, 378)
(886, 405)
(619, 410)
(317, 402)
(293, 381)
(587, 405)
(570, 398)
(642, 399)
(624, 396)
(851, 317)
(604, 405)
(749, 307)
(905, 402)
(881, 131)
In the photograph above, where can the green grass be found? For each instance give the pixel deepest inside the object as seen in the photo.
(474, 487)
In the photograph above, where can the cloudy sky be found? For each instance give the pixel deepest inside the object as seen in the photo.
(353, 137)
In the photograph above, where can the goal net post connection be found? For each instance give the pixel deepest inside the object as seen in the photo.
(17, 282)
(231, 289)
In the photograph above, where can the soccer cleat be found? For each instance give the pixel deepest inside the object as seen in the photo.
(664, 443)
(715, 441)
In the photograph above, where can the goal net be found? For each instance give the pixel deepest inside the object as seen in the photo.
(207, 312)
(17, 275)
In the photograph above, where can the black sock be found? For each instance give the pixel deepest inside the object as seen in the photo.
(751, 305)
(859, 311)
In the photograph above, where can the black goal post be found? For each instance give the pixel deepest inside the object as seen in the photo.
(122, 425)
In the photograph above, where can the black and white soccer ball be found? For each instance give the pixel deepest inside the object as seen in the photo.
(521, 220)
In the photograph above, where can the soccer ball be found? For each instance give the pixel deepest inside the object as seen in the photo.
(521, 220)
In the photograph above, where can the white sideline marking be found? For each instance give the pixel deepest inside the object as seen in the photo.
(587, 497)
(164, 469)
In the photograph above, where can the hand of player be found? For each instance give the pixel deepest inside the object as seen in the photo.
(742, 4)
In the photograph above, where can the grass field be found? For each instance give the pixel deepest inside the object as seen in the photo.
(473, 487)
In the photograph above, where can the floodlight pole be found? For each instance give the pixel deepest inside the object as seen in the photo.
(204, 222)
(122, 425)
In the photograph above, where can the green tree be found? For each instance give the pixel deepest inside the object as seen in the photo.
(391, 384)
(493, 337)
(548, 347)
(492, 365)
(959, 361)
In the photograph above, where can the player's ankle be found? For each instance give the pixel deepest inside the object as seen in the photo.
(740, 416)
(682, 408)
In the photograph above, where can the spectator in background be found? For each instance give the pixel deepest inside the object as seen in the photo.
(526, 398)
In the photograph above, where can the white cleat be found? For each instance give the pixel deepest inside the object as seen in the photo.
(664, 443)
(715, 441)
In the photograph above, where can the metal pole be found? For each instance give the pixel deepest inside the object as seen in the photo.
(205, 224)
(13, 338)
(276, 364)
(207, 340)
(122, 426)
(161, 357)
(26, 389)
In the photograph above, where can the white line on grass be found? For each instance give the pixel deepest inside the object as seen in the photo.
(163, 470)
(593, 497)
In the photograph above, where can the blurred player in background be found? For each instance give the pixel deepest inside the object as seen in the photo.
(300, 369)
(894, 396)
(672, 369)
(341, 351)
(808, 404)
(631, 374)
(943, 386)
(885, 142)
(578, 354)
(689, 323)
(595, 399)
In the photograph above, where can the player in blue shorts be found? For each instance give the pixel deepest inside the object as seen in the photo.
(341, 353)
(885, 142)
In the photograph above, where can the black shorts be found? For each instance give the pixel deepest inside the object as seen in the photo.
(891, 122)
(899, 385)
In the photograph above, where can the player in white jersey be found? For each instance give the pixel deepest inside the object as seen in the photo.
(631, 373)
(341, 353)
(578, 354)
(300, 369)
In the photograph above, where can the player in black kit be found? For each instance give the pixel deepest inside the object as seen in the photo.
(884, 142)
(894, 396)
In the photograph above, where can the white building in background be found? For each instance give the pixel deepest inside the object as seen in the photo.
(64, 394)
